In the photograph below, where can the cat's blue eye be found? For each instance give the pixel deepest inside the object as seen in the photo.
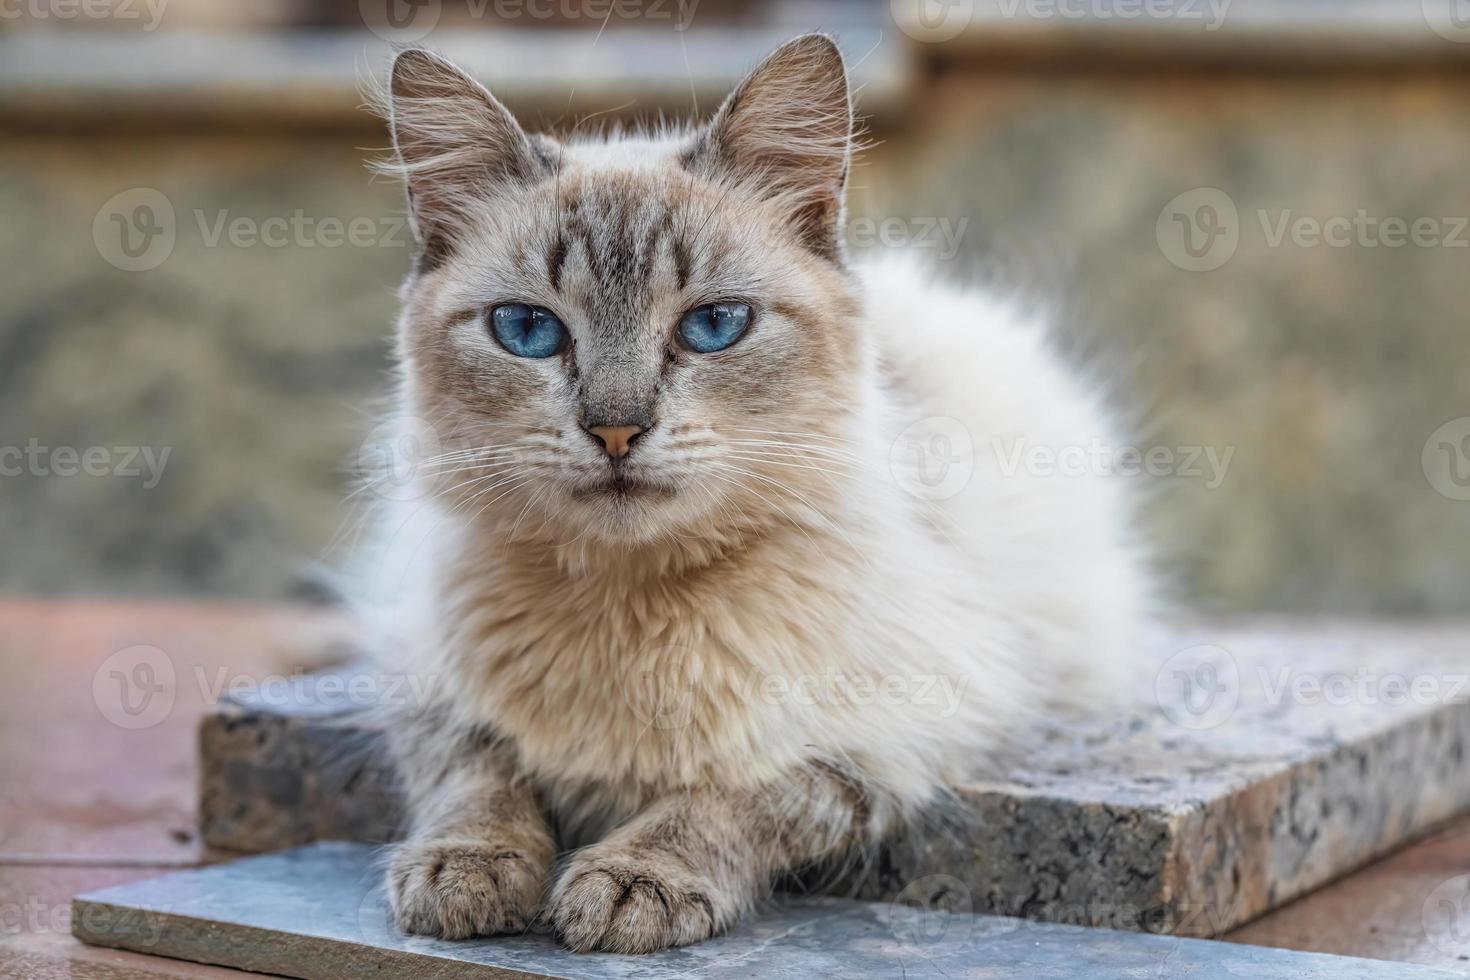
(706, 329)
(528, 331)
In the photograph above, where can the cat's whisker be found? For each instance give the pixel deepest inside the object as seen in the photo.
(374, 483)
(817, 437)
(833, 476)
(449, 465)
(815, 510)
(487, 453)
(797, 439)
(456, 508)
(795, 450)
(827, 446)
(821, 514)
(510, 485)
(801, 452)
(800, 527)
(493, 474)
(533, 499)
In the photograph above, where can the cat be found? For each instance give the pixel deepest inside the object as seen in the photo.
(707, 554)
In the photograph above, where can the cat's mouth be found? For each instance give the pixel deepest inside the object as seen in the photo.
(621, 485)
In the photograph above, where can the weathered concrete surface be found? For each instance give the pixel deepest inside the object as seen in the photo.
(319, 913)
(1257, 763)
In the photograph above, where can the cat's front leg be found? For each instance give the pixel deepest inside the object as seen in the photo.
(694, 862)
(478, 856)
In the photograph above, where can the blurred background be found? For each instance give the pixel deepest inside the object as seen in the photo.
(1249, 215)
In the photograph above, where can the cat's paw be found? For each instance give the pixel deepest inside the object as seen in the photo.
(625, 904)
(457, 889)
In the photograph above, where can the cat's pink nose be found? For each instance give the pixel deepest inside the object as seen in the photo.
(616, 439)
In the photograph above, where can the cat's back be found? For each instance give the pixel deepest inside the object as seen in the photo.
(1016, 452)
(962, 352)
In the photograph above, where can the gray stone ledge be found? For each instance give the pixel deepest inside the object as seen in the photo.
(1184, 818)
(319, 913)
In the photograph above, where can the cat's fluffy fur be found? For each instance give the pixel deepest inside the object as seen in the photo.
(760, 640)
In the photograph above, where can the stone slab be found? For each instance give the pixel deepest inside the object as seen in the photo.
(319, 913)
(1411, 907)
(1258, 762)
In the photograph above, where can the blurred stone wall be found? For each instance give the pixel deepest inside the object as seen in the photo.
(253, 364)
(1318, 371)
(1329, 364)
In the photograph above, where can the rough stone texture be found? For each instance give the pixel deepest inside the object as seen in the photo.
(275, 776)
(1410, 907)
(1315, 753)
(319, 913)
(1195, 830)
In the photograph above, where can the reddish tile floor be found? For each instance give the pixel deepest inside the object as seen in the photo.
(97, 786)
(1412, 906)
(97, 755)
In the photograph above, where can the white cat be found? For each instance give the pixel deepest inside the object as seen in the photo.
(721, 563)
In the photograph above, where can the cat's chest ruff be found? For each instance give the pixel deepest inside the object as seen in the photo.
(660, 684)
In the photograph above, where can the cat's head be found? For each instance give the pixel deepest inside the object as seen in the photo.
(632, 337)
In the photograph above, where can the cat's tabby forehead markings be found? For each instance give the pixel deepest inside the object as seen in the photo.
(623, 230)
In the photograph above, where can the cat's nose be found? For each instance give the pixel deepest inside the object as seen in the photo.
(616, 439)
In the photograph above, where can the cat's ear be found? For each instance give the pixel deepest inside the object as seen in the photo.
(456, 144)
(788, 129)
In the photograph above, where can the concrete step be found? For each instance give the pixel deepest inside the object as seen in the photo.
(1259, 761)
(319, 913)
